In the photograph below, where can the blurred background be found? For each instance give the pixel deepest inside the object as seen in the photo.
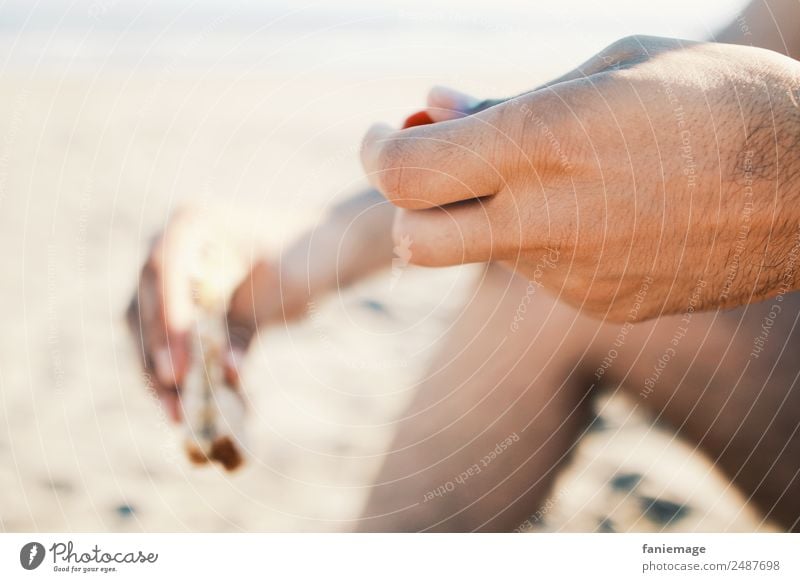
(114, 112)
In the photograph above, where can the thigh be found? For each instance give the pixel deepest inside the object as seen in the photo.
(728, 382)
(501, 406)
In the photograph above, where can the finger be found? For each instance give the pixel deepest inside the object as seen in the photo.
(466, 232)
(167, 394)
(436, 164)
(167, 304)
(445, 104)
(166, 349)
(170, 400)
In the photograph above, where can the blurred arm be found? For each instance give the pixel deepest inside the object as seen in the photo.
(354, 241)
(770, 24)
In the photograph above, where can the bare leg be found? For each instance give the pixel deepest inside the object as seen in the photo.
(742, 409)
(488, 385)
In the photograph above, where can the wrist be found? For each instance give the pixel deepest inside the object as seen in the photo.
(775, 173)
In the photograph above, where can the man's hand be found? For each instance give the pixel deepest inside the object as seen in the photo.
(352, 242)
(163, 309)
(660, 165)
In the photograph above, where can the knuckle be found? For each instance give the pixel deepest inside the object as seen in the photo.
(629, 45)
(399, 173)
(629, 50)
(390, 166)
(630, 42)
(637, 48)
(614, 53)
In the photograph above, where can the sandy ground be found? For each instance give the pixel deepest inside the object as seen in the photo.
(90, 167)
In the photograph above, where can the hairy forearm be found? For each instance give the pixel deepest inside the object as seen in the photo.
(767, 174)
(770, 24)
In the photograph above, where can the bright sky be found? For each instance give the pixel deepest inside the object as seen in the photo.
(141, 32)
(625, 15)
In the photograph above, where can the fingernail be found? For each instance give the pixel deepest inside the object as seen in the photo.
(164, 368)
(448, 98)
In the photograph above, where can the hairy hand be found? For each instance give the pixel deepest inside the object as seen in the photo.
(660, 165)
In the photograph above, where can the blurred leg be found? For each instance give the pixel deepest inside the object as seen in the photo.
(700, 376)
(524, 390)
(739, 403)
